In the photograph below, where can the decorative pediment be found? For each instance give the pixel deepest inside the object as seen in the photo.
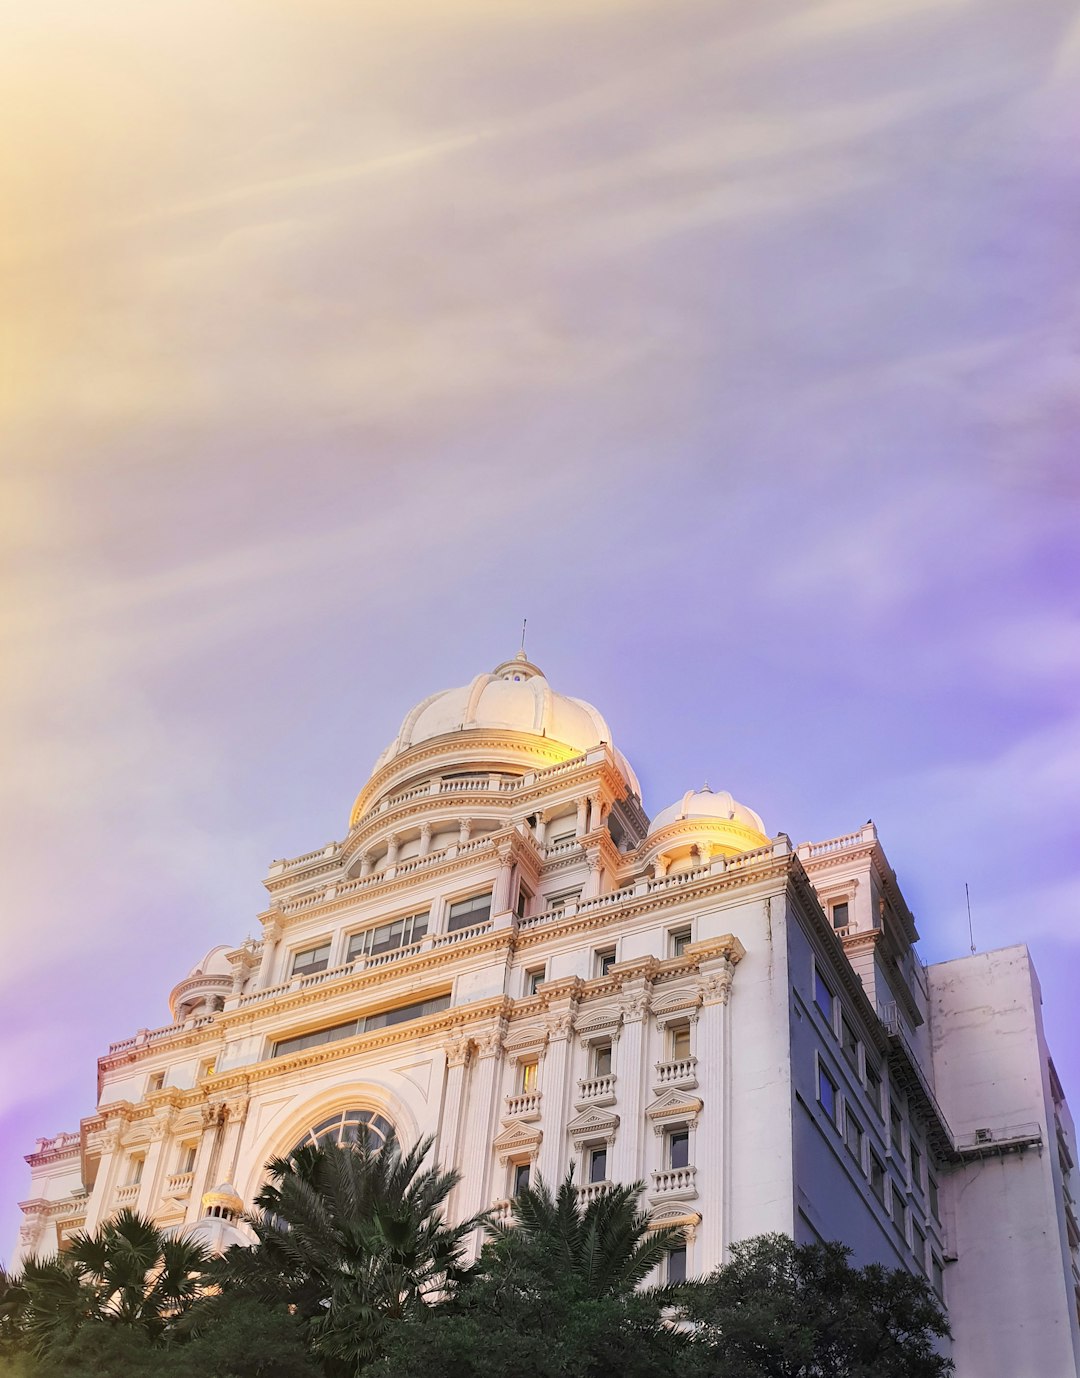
(676, 1106)
(601, 1021)
(517, 1138)
(527, 1040)
(594, 1122)
(666, 1000)
(674, 1213)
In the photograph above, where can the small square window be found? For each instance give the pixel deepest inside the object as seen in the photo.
(602, 1060)
(680, 940)
(840, 914)
(678, 1148)
(207, 1068)
(823, 997)
(679, 1041)
(527, 1076)
(826, 1092)
(533, 979)
(156, 1082)
(877, 1177)
(522, 1172)
(598, 1165)
(605, 960)
(676, 1264)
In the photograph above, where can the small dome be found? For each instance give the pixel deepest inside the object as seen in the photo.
(224, 1201)
(215, 963)
(731, 826)
(216, 1234)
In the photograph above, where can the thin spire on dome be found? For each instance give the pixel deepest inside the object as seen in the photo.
(521, 653)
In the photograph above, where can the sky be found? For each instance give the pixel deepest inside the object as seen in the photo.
(731, 342)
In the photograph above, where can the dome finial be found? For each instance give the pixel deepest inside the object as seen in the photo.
(521, 653)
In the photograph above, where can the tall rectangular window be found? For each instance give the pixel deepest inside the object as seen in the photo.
(932, 1192)
(605, 960)
(823, 997)
(896, 1127)
(678, 1148)
(877, 1177)
(679, 1042)
(598, 1165)
(849, 1043)
(186, 1161)
(853, 1135)
(465, 913)
(523, 898)
(873, 1085)
(533, 979)
(522, 1172)
(937, 1276)
(312, 959)
(916, 1164)
(528, 1076)
(680, 941)
(918, 1244)
(676, 1264)
(826, 1092)
(899, 1211)
(135, 1169)
(602, 1060)
(840, 914)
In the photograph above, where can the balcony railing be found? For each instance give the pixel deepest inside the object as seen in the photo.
(675, 1181)
(525, 1106)
(589, 1191)
(597, 1090)
(681, 1072)
(126, 1194)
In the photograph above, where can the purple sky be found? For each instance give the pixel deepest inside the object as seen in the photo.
(734, 343)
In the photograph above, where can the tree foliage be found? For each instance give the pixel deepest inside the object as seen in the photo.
(782, 1310)
(353, 1238)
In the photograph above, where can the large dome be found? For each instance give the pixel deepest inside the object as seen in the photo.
(514, 697)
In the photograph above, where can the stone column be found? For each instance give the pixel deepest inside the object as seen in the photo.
(150, 1182)
(553, 1158)
(367, 861)
(660, 865)
(633, 1082)
(500, 898)
(483, 1091)
(271, 938)
(596, 813)
(464, 830)
(447, 1143)
(582, 817)
(204, 1161)
(540, 828)
(392, 844)
(235, 1115)
(99, 1207)
(712, 1049)
(592, 885)
(425, 839)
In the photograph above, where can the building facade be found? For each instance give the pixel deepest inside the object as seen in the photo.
(507, 954)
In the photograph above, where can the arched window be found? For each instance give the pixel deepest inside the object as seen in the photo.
(344, 1128)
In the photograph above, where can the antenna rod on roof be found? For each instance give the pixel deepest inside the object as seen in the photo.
(524, 622)
(971, 935)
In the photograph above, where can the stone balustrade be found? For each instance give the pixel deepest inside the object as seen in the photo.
(680, 1072)
(589, 1191)
(597, 1090)
(128, 1194)
(675, 1181)
(179, 1184)
(525, 1106)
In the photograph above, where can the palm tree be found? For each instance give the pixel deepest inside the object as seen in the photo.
(126, 1273)
(605, 1249)
(353, 1237)
(14, 1299)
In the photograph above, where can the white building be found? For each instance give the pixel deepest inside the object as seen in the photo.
(505, 953)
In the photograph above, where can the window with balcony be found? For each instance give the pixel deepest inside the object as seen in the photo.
(528, 1075)
(823, 997)
(679, 1042)
(186, 1160)
(524, 896)
(136, 1163)
(386, 937)
(464, 913)
(826, 1092)
(601, 1060)
(676, 1264)
(311, 960)
(598, 1164)
(840, 914)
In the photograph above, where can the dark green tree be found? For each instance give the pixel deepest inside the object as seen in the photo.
(354, 1239)
(782, 1310)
